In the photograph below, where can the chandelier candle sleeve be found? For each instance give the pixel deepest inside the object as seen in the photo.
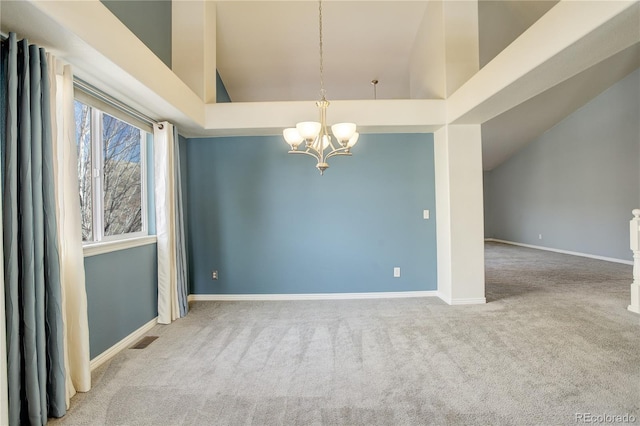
(312, 137)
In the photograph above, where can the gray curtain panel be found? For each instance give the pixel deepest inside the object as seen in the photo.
(35, 360)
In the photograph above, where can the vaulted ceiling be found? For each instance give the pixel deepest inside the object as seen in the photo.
(268, 51)
(267, 56)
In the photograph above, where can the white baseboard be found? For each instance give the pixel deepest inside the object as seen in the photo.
(573, 253)
(122, 344)
(462, 301)
(311, 296)
(469, 301)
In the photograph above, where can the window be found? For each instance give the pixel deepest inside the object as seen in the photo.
(111, 175)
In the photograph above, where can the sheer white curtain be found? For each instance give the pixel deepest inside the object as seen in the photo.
(74, 296)
(172, 272)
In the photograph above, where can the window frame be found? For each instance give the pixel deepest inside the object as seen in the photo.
(101, 243)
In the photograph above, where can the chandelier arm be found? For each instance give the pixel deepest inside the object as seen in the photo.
(312, 151)
(333, 144)
(338, 152)
(310, 154)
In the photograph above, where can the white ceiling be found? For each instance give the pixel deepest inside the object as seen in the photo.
(268, 51)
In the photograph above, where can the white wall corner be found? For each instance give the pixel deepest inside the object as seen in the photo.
(459, 206)
(469, 301)
(122, 344)
(427, 61)
(445, 298)
(461, 41)
(190, 43)
(443, 212)
(210, 52)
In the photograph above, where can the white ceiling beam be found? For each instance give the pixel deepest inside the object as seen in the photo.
(105, 53)
(571, 37)
(371, 116)
(506, 134)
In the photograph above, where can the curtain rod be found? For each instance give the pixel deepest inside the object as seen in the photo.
(110, 100)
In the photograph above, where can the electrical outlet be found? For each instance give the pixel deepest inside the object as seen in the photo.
(396, 272)
(425, 214)
(214, 275)
(539, 236)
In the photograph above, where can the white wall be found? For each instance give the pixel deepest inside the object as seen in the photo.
(460, 231)
(576, 184)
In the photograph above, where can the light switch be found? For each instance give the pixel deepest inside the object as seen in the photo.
(425, 214)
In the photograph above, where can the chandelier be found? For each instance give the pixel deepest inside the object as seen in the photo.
(312, 138)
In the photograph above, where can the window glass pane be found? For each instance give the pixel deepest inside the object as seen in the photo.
(83, 144)
(122, 184)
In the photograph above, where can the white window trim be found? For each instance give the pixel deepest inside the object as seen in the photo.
(111, 243)
(96, 174)
(95, 248)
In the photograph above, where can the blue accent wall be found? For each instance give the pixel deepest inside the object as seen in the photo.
(269, 223)
(149, 20)
(184, 166)
(122, 294)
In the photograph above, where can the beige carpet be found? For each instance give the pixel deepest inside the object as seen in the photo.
(554, 341)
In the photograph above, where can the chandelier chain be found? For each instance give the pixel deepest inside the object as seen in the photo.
(312, 136)
(322, 91)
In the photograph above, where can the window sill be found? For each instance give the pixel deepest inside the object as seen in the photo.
(109, 246)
